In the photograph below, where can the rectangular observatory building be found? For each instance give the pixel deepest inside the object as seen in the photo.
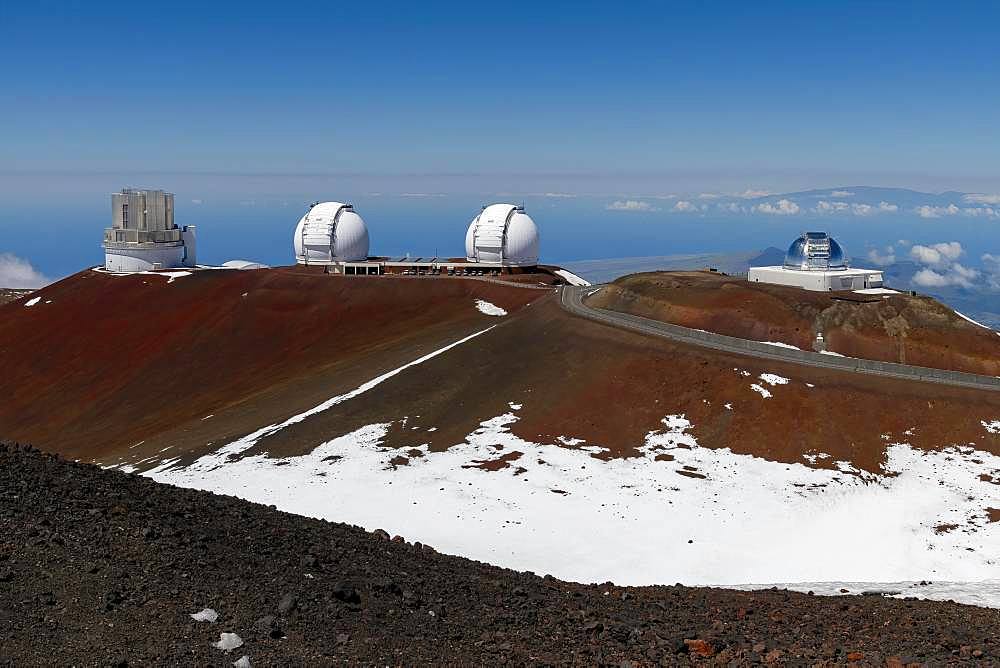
(143, 236)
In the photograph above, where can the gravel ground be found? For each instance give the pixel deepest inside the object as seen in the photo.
(11, 294)
(105, 568)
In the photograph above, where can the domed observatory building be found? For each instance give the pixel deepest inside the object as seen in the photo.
(815, 261)
(143, 236)
(502, 235)
(332, 234)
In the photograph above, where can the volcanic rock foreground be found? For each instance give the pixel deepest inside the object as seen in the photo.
(100, 567)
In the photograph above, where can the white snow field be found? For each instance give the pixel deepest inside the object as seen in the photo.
(708, 516)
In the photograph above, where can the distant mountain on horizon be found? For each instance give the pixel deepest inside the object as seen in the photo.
(841, 201)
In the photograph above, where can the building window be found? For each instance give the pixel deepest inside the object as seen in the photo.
(124, 215)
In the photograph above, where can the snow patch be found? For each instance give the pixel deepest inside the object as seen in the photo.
(830, 352)
(761, 391)
(749, 520)
(32, 301)
(992, 427)
(489, 309)
(571, 278)
(242, 662)
(985, 593)
(251, 439)
(773, 379)
(978, 324)
(780, 344)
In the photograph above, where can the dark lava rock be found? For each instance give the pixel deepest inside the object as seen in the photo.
(287, 603)
(234, 556)
(346, 593)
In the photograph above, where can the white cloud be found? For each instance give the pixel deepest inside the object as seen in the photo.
(937, 254)
(731, 207)
(709, 196)
(942, 268)
(559, 195)
(196, 201)
(991, 265)
(841, 193)
(980, 198)
(830, 207)
(631, 205)
(882, 260)
(783, 207)
(955, 274)
(16, 272)
(685, 206)
(987, 211)
(926, 211)
(991, 261)
(750, 193)
(929, 278)
(823, 206)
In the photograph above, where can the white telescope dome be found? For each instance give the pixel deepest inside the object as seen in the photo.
(502, 234)
(331, 232)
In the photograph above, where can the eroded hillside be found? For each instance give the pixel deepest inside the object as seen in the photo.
(901, 328)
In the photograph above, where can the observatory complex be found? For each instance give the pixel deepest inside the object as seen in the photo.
(502, 235)
(815, 261)
(331, 233)
(502, 238)
(143, 236)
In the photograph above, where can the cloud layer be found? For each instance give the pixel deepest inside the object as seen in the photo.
(17, 272)
(634, 205)
(941, 267)
(783, 207)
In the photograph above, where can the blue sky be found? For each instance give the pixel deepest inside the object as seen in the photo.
(253, 109)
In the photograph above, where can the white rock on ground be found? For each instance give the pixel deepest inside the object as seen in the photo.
(206, 615)
(228, 642)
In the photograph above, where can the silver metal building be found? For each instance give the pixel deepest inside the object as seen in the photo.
(815, 261)
(143, 235)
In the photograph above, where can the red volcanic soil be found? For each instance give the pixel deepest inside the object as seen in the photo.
(892, 328)
(113, 360)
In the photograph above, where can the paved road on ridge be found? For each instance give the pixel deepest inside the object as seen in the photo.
(571, 298)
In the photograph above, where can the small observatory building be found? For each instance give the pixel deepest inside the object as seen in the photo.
(502, 235)
(815, 261)
(143, 236)
(331, 233)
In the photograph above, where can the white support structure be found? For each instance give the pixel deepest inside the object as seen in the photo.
(818, 280)
(815, 261)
